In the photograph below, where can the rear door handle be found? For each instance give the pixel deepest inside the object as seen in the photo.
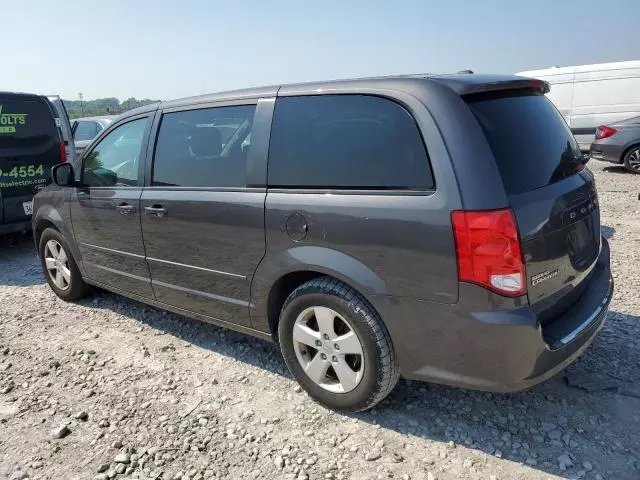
(125, 209)
(155, 211)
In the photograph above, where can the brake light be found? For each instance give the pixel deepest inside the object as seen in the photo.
(63, 152)
(488, 250)
(604, 132)
(539, 85)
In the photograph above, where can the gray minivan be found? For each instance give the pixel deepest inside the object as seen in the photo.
(442, 228)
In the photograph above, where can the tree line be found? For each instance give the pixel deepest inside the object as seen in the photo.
(102, 106)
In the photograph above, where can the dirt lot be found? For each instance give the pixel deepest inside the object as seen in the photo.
(111, 388)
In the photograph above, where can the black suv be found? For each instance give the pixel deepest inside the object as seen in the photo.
(442, 228)
(31, 142)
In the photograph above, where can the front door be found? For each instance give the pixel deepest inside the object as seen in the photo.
(105, 212)
(203, 228)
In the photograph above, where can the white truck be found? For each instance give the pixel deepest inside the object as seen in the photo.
(592, 95)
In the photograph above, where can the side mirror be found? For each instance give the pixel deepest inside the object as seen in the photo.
(62, 175)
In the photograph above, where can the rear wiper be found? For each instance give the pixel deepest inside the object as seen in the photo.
(580, 163)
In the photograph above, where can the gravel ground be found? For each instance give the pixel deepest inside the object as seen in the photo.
(110, 388)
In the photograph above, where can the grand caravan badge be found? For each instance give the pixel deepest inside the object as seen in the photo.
(544, 276)
(8, 121)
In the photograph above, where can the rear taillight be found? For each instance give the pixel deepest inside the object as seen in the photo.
(604, 132)
(489, 251)
(63, 152)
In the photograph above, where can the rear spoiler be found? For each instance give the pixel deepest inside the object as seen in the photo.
(532, 84)
(466, 84)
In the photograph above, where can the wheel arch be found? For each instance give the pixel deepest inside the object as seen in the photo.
(628, 148)
(277, 277)
(46, 216)
(40, 226)
(49, 216)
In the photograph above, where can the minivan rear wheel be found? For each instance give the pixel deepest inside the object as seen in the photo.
(59, 266)
(336, 346)
(632, 159)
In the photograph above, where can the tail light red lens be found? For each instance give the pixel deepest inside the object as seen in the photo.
(604, 132)
(63, 152)
(489, 251)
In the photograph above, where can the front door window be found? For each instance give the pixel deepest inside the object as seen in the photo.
(115, 160)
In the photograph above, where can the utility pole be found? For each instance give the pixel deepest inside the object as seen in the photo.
(81, 104)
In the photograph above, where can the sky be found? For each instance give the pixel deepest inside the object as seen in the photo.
(163, 49)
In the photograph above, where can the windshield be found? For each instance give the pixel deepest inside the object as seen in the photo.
(86, 130)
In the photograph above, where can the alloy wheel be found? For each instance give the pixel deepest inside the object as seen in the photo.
(57, 263)
(328, 349)
(634, 159)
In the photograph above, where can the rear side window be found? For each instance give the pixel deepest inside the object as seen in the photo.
(532, 144)
(204, 148)
(346, 141)
(25, 124)
(86, 130)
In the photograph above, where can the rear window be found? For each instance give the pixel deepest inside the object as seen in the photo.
(530, 140)
(346, 142)
(86, 130)
(26, 124)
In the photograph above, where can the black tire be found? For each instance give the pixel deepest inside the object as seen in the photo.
(77, 288)
(633, 155)
(381, 371)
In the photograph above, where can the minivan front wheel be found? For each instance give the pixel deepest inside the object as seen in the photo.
(59, 266)
(336, 346)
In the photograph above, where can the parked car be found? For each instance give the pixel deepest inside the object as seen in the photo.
(32, 140)
(619, 143)
(442, 228)
(87, 128)
(592, 95)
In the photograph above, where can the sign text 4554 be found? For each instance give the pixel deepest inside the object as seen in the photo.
(23, 171)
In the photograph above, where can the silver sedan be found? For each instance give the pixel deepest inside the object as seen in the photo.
(86, 129)
(619, 143)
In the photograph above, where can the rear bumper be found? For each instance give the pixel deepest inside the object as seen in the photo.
(488, 342)
(23, 226)
(605, 153)
(14, 210)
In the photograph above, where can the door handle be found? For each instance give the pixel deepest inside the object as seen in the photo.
(155, 211)
(125, 209)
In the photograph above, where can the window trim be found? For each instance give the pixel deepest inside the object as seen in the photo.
(174, 188)
(355, 190)
(153, 145)
(143, 150)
